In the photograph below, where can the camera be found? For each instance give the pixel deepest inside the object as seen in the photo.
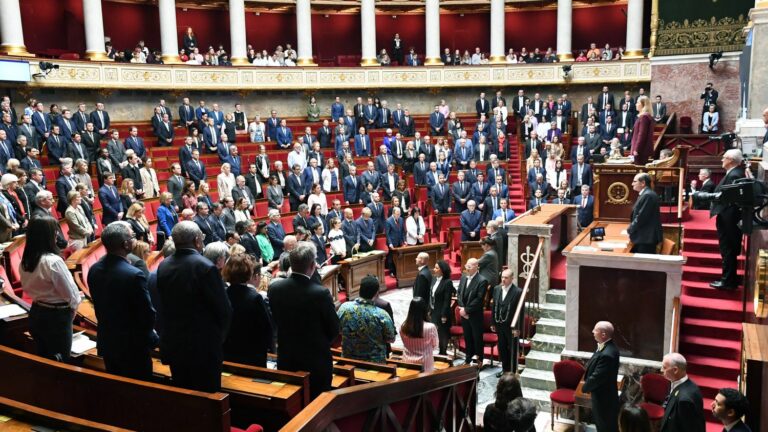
(748, 194)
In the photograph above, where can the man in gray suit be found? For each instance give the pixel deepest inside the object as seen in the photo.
(659, 110)
(488, 264)
(176, 184)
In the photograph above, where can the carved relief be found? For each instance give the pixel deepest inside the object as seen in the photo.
(146, 76)
(700, 36)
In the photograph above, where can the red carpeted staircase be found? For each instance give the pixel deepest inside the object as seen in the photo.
(710, 332)
(515, 181)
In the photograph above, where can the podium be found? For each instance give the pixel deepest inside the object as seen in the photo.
(355, 268)
(329, 275)
(405, 261)
(614, 196)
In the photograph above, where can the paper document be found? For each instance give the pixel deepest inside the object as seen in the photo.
(82, 343)
(11, 310)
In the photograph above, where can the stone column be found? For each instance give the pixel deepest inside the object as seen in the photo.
(239, 54)
(564, 26)
(368, 30)
(169, 39)
(11, 33)
(634, 48)
(432, 26)
(304, 33)
(94, 31)
(497, 32)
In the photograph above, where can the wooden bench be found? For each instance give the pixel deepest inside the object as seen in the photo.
(21, 417)
(105, 398)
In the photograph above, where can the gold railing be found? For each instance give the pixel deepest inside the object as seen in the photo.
(677, 309)
(525, 329)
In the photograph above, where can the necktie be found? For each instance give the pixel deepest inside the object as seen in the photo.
(213, 135)
(114, 191)
(583, 202)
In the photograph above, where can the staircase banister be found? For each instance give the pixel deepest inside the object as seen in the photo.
(521, 302)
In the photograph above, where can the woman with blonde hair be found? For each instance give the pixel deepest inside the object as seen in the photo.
(141, 249)
(225, 181)
(139, 224)
(204, 194)
(127, 193)
(529, 162)
(642, 136)
(330, 176)
(82, 176)
(149, 179)
(80, 229)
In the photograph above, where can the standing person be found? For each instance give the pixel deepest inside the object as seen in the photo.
(488, 264)
(366, 329)
(304, 344)
(419, 335)
(642, 134)
(470, 297)
(645, 223)
(506, 296)
(729, 407)
(441, 293)
(600, 378)
(423, 282)
(682, 412)
(727, 222)
(55, 297)
(123, 307)
(196, 312)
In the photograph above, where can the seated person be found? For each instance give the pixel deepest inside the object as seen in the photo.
(366, 329)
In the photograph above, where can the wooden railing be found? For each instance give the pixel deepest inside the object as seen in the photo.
(701, 145)
(441, 400)
(534, 304)
(667, 128)
(674, 340)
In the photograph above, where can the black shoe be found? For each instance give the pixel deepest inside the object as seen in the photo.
(718, 284)
(499, 374)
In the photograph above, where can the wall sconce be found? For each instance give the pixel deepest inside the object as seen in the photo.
(394, 16)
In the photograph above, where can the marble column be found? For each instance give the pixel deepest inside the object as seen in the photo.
(564, 29)
(497, 32)
(304, 33)
(169, 39)
(757, 87)
(634, 48)
(368, 30)
(94, 31)
(11, 32)
(239, 54)
(432, 27)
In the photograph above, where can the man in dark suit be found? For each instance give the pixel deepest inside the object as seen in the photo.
(295, 188)
(437, 122)
(488, 264)
(441, 196)
(196, 312)
(471, 296)
(482, 106)
(275, 232)
(471, 221)
(705, 184)
(389, 182)
(585, 204)
(520, 104)
(580, 149)
(729, 407)
(202, 221)
(164, 132)
(645, 222)
(506, 296)
(605, 97)
(273, 123)
(377, 212)
(366, 228)
(28, 130)
(302, 218)
(305, 344)
(581, 175)
(324, 134)
(383, 160)
(370, 115)
(110, 201)
(460, 190)
(123, 307)
(371, 176)
(420, 169)
(659, 110)
(534, 143)
(600, 379)
(100, 119)
(496, 99)
(363, 143)
(727, 222)
(422, 286)
(196, 169)
(353, 187)
(186, 115)
(176, 184)
(395, 232)
(683, 409)
(407, 125)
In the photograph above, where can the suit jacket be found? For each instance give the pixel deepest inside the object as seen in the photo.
(63, 186)
(110, 203)
(123, 307)
(97, 123)
(461, 191)
(645, 221)
(422, 286)
(92, 144)
(33, 137)
(42, 123)
(472, 296)
(324, 136)
(196, 310)
(482, 106)
(301, 346)
(600, 380)
(116, 153)
(295, 189)
(586, 176)
(683, 412)
(504, 307)
(372, 177)
(377, 215)
(133, 173)
(196, 173)
(585, 214)
(283, 136)
(729, 212)
(488, 267)
(366, 229)
(539, 147)
(353, 189)
(407, 126)
(441, 300)
(395, 231)
(384, 118)
(441, 200)
(57, 149)
(207, 228)
(602, 99)
(470, 222)
(77, 151)
(276, 234)
(359, 141)
(251, 332)
(659, 111)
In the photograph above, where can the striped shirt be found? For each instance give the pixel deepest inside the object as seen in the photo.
(421, 350)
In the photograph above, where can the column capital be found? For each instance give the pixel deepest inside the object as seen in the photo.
(11, 31)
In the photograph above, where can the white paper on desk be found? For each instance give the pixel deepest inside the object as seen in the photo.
(11, 310)
(611, 245)
(584, 249)
(624, 232)
(81, 344)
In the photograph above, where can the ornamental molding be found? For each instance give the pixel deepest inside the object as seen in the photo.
(700, 36)
(108, 75)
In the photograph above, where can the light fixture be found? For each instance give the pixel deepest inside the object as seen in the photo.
(45, 69)
(567, 71)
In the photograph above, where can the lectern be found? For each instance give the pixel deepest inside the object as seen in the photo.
(405, 261)
(354, 269)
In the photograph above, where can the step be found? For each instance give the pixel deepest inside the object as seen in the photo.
(695, 288)
(541, 360)
(550, 326)
(710, 347)
(714, 309)
(706, 258)
(553, 310)
(539, 397)
(701, 244)
(713, 367)
(538, 379)
(556, 296)
(709, 386)
(726, 330)
(547, 343)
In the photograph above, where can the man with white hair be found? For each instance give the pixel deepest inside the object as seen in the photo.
(683, 409)
(727, 222)
(64, 184)
(275, 231)
(471, 297)
(600, 378)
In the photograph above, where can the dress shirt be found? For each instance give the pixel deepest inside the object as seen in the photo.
(51, 282)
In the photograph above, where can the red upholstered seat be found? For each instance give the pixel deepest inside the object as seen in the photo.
(564, 396)
(490, 338)
(655, 389)
(456, 331)
(655, 412)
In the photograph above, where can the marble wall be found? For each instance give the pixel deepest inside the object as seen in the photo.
(681, 83)
(127, 105)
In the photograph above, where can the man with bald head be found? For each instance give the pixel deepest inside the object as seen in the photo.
(600, 379)
(683, 411)
(423, 279)
(471, 296)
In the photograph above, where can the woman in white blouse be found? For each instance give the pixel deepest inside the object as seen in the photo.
(330, 176)
(511, 57)
(336, 239)
(415, 228)
(49, 283)
(256, 130)
(241, 210)
(149, 179)
(557, 174)
(82, 176)
(317, 196)
(501, 113)
(710, 120)
(225, 181)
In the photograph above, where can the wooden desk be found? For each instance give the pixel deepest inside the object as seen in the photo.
(584, 400)
(354, 269)
(405, 261)
(754, 373)
(618, 286)
(20, 417)
(330, 277)
(556, 223)
(470, 249)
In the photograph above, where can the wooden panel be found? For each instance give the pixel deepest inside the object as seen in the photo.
(354, 269)
(614, 196)
(405, 261)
